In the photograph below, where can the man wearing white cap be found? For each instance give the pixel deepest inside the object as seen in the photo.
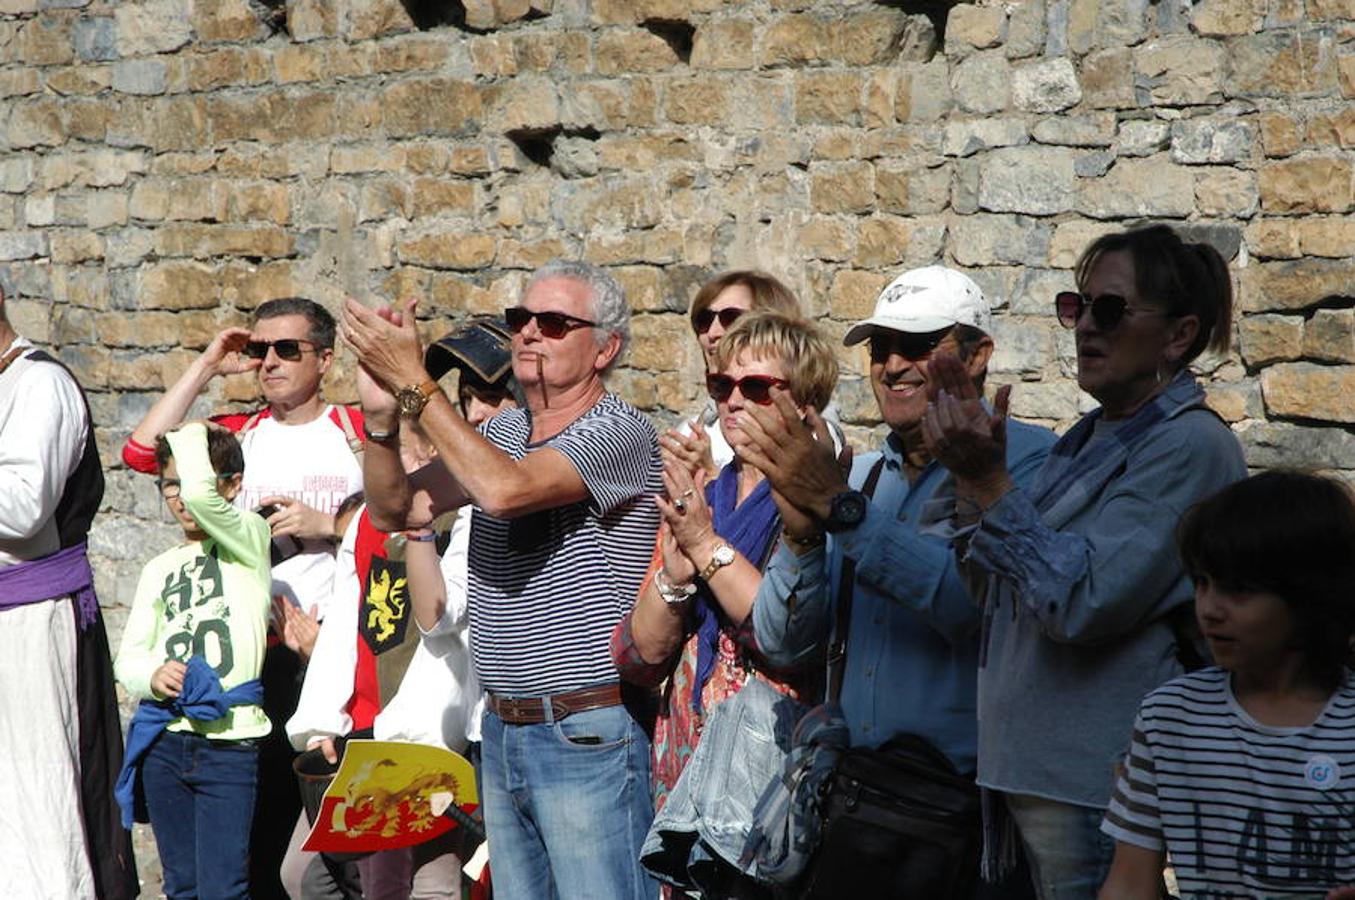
(912, 633)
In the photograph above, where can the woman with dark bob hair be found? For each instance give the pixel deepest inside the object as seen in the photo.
(1247, 762)
(1085, 601)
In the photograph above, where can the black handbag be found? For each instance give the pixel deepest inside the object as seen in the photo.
(897, 820)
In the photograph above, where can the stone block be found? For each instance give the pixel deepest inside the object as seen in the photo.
(22, 245)
(1285, 64)
(1151, 186)
(977, 27)
(1048, 86)
(1273, 239)
(982, 83)
(1056, 401)
(1305, 390)
(830, 238)
(924, 92)
(830, 97)
(1087, 130)
(376, 18)
(697, 100)
(1071, 238)
(448, 250)
(1329, 336)
(1026, 30)
(205, 241)
(152, 26)
(982, 240)
(263, 201)
(309, 20)
(79, 80)
(43, 41)
(723, 44)
(36, 123)
(1235, 402)
(1033, 292)
(105, 208)
(1021, 347)
(177, 285)
(842, 187)
(1269, 444)
(39, 210)
(1227, 18)
(618, 51)
(1334, 130)
(1210, 140)
(1227, 192)
(1293, 285)
(1031, 180)
(1142, 137)
(911, 190)
(796, 40)
(874, 37)
(965, 137)
(95, 38)
(225, 20)
(1281, 134)
(655, 246)
(1177, 70)
(882, 241)
(1307, 185)
(854, 292)
(435, 196)
(653, 340)
(1093, 165)
(1267, 338)
(139, 76)
(447, 106)
(1333, 237)
(1107, 79)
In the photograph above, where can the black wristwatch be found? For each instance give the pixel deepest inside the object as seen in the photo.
(848, 510)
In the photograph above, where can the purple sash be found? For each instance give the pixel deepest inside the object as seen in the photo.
(64, 572)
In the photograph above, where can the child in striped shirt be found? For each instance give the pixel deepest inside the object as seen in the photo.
(1243, 774)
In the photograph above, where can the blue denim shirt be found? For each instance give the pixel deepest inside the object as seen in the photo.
(913, 647)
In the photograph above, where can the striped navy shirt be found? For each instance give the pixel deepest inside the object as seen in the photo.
(1242, 809)
(547, 588)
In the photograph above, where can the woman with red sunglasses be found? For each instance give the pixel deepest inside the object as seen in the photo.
(691, 624)
(1086, 603)
(699, 442)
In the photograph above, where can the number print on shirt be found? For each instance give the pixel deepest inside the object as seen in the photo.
(193, 601)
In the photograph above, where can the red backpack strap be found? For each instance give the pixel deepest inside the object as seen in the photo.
(251, 422)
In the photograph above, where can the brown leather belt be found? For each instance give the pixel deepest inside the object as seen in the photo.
(532, 710)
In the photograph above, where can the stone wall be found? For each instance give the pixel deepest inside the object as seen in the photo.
(167, 165)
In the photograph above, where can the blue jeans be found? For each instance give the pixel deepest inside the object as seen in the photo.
(1069, 856)
(567, 805)
(200, 796)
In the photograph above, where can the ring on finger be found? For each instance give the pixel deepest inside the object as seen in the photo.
(680, 505)
(688, 492)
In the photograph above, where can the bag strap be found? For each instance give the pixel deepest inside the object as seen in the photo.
(837, 650)
(345, 419)
(251, 422)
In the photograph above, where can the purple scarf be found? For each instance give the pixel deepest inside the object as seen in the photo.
(749, 528)
(64, 572)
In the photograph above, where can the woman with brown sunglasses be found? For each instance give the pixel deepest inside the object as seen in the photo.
(1086, 604)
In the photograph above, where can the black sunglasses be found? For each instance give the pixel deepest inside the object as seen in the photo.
(884, 343)
(1108, 310)
(553, 325)
(288, 349)
(706, 318)
(755, 388)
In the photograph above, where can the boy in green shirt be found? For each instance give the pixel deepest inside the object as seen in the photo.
(191, 651)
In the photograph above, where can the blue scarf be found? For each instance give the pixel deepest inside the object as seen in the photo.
(749, 528)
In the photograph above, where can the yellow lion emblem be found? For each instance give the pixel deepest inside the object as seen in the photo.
(386, 603)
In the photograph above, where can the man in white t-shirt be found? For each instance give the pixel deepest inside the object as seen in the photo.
(300, 462)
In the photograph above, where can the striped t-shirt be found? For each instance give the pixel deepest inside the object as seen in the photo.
(1242, 809)
(547, 588)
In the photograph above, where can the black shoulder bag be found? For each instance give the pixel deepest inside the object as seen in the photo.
(898, 819)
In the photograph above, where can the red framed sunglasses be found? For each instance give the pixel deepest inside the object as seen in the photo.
(755, 388)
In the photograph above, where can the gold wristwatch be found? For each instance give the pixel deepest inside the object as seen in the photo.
(413, 398)
(723, 556)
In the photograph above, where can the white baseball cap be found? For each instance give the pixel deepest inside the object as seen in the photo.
(925, 300)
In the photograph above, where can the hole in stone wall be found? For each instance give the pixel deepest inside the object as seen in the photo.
(935, 10)
(428, 14)
(538, 144)
(675, 33)
(272, 13)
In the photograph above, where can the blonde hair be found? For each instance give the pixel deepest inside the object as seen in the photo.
(804, 353)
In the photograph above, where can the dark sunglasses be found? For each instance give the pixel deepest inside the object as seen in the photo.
(288, 349)
(706, 318)
(755, 388)
(912, 347)
(1108, 310)
(553, 325)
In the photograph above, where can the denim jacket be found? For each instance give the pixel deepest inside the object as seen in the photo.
(912, 651)
(1077, 578)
